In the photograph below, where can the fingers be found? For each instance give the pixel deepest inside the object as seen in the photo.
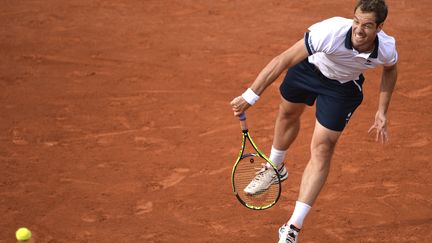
(384, 136)
(239, 105)
(236, 102)
(377, 136)
(375, 128)
(371, 129)
(238, 111)
(381, 134)
(235, 106)
(380, 129)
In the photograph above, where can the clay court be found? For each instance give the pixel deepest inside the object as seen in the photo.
(116, 125)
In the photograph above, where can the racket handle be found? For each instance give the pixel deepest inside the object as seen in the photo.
(243, 124)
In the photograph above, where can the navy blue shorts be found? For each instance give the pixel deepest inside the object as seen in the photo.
(335, 102)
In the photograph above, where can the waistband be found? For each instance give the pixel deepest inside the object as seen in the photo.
(316, 70)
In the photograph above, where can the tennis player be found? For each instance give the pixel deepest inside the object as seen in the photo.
(325, 67)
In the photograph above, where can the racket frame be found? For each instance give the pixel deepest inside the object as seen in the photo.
(246, 137)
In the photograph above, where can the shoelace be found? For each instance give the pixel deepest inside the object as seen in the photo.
(291, 234)
(261, 169)
(260, 172)
(291, 238)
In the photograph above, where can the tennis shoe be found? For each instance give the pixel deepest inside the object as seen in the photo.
(288, 234)
(264, 178)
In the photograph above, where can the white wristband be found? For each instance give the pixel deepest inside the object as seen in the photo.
(250, 96)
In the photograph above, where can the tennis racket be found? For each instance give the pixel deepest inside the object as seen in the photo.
(249, 166)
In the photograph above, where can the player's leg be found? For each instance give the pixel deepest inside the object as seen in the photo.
(287, 127)
(333, 113)
(315, 174)
(295, 97)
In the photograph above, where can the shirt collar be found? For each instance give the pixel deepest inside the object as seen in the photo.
(348, 44)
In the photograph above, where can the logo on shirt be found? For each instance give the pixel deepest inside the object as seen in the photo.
(368, 62)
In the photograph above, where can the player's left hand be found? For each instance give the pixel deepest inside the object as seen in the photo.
(380, 126)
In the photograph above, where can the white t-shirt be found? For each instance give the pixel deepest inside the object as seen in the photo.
(329, 45)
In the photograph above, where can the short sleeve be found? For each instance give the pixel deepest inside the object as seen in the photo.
(393, 60)
(391, 54)
(322, 35)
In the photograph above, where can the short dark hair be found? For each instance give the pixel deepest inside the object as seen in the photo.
(379, 7)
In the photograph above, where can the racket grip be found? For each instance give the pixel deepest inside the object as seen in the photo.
(243, 124)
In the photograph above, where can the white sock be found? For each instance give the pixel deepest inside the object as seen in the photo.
(277, 156)
(299, 214)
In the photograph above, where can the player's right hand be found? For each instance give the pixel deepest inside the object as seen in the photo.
(239, 105)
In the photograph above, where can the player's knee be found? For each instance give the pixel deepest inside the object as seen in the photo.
(323, 151)
(291, 113)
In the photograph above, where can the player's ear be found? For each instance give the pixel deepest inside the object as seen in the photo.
(379, 27)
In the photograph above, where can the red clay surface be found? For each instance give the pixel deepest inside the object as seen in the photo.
(116, 125)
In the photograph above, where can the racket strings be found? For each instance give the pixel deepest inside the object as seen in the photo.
(247, 172)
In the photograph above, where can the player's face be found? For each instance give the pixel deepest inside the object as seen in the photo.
(364, 30)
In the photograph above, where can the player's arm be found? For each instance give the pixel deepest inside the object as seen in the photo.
(269, 74)
(388, 82)
(273, 70)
